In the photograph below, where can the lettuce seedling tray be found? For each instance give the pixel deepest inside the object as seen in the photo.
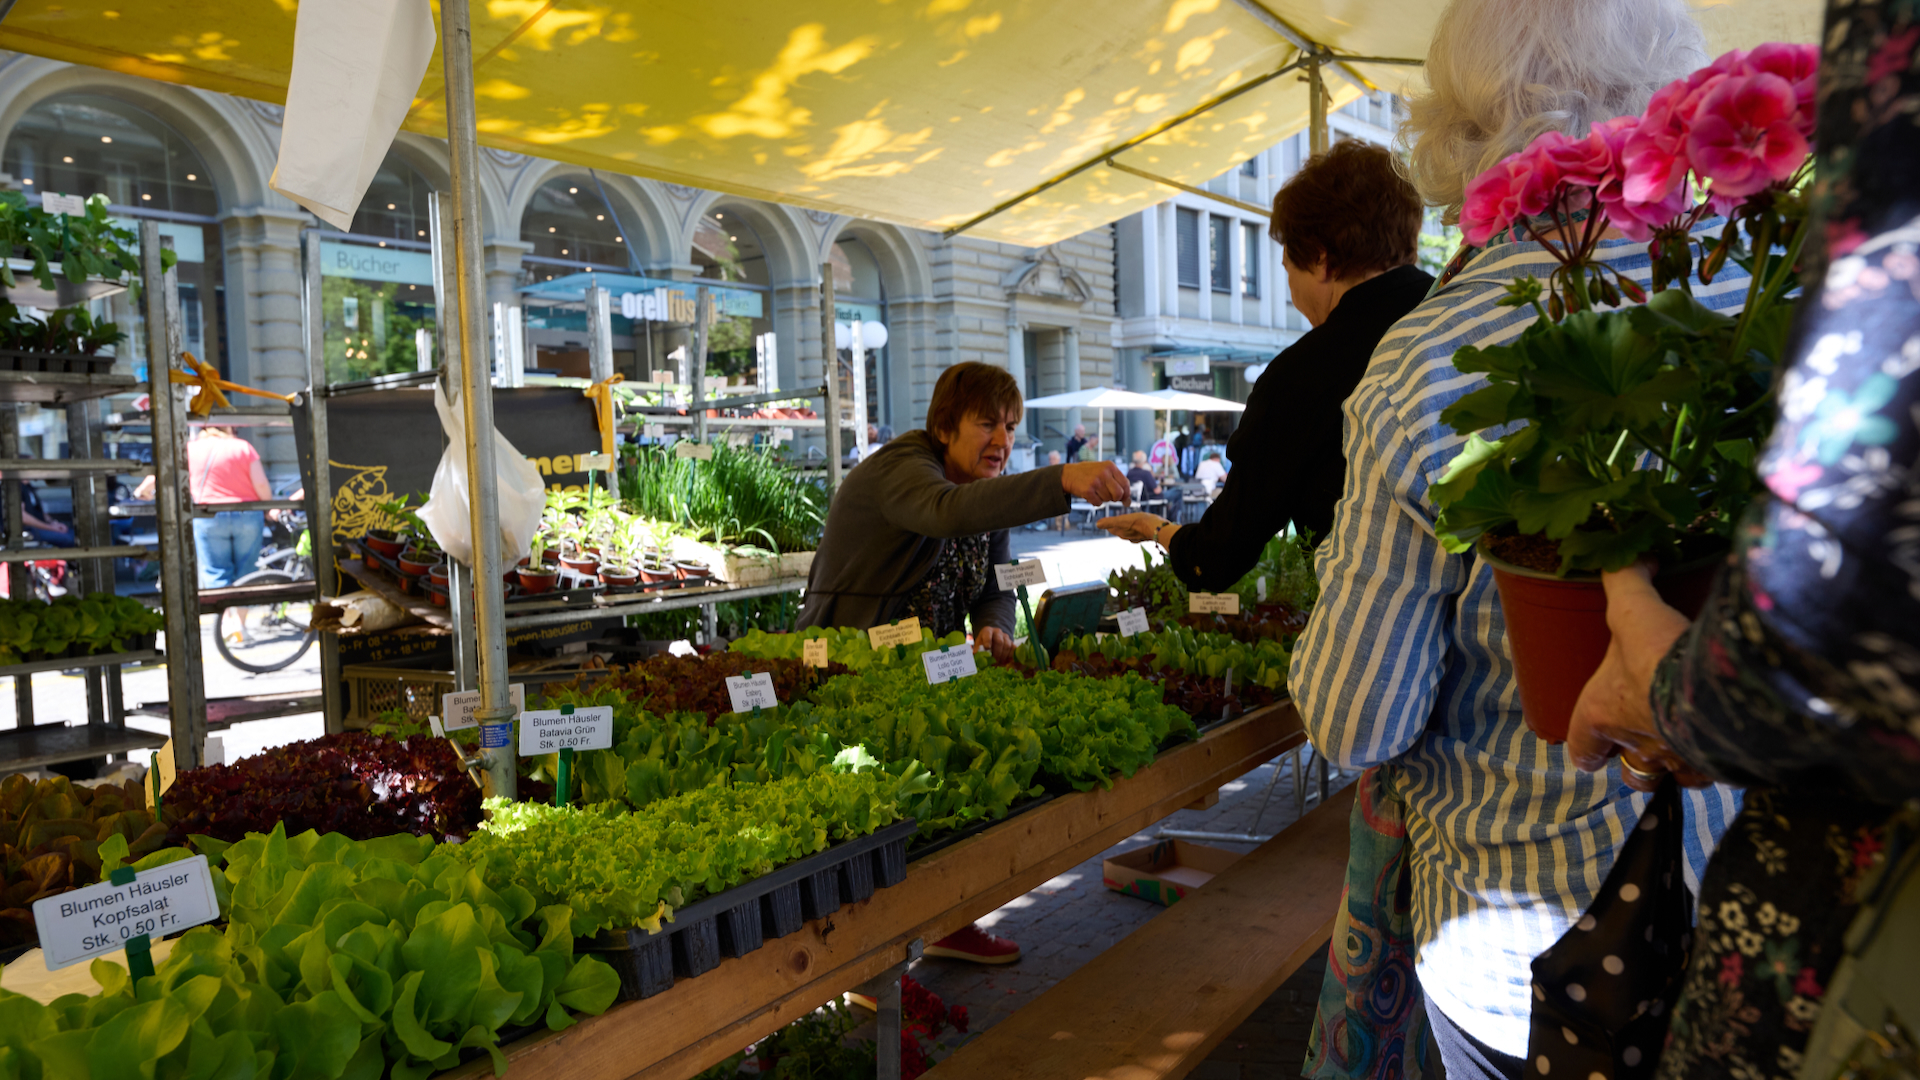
(741, 919)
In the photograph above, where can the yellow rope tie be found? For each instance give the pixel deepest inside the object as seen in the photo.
(211, 387)
(602, 395)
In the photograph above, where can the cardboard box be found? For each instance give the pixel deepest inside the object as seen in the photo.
(1167, 871)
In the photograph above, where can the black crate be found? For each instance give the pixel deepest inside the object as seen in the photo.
(741, 919)
(55, 363)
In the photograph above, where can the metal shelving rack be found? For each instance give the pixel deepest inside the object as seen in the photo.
(30, 743)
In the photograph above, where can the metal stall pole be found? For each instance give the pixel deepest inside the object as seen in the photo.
(1316, 109)
(496, 712)
(89, 530)
(599, 334)
(830, 372)
(19, 574)
(326, 580)
(459, 578)
(179, 563)
(697, 364)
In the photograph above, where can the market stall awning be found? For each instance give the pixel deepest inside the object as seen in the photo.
(1099, 397)
(1187, 401)
(925, 114)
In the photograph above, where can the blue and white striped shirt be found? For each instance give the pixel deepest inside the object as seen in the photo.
(1406, 660)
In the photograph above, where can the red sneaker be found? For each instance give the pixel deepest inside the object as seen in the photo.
(975, 945)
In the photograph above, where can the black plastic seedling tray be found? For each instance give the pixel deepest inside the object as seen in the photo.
(740, 920)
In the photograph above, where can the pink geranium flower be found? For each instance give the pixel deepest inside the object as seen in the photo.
(1637, 220)
(1746, 134)
(1799, 65)
(1656, 155)
(1520, 186)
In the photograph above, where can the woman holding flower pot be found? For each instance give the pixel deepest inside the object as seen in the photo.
(1800, 678)
(1406, 661)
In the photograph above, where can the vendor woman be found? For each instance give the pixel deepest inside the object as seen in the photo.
(915, 530)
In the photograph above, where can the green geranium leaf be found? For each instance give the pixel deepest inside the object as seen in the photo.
(1490, 406)
(1557, 514)
(1602, 549)
(1488, 504)
(1464, 471)
(1738, 451)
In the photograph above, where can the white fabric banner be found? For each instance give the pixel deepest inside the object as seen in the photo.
(357, 65)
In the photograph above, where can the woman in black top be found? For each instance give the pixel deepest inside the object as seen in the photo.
(1350, 228)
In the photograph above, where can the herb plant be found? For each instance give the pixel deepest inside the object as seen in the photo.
(738, 497)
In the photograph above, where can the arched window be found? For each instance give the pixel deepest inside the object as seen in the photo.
(571, 228)
(859, 295)
(376, 282)
(727, 248)
(89, 144)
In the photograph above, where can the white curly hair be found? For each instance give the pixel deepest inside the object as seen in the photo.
(1499, 72)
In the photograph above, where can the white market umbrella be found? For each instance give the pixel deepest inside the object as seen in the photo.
(1100, 398)
(1188, 401)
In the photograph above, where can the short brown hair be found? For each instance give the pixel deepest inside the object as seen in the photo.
(1350, 206)
(971, 389)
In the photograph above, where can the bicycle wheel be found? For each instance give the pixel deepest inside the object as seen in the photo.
(265, 637)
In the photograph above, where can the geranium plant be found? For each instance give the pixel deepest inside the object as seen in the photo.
(1637, 427)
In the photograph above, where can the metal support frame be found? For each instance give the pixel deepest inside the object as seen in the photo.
(1318, 138)
(326, 577)
(697, 362)
(884, 989)
(1251, 208)
(476, 401)
(599, 333)
(179, 562)
(830, 372)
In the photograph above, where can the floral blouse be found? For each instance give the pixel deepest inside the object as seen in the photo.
(1801, 679)
(959, 578)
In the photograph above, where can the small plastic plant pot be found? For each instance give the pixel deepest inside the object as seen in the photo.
(437, 574)
(618, 576)
(655, 572)
(384, 542)
(417, 562)
(534, 582)
(437, 594)
(690, 571)
(582, 565)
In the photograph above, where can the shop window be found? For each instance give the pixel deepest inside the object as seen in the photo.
(86, 145)
(1250, 168)
(859, 294)
(1219, 255)
(569, 224)
(1250, 259)
(1186, 232)
(376, 283)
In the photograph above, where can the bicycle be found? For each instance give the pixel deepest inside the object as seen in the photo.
(267, 637)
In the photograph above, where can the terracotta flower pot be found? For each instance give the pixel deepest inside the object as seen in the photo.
(690, 571)
(1557, 629)
(655, 572)
(618, 576)
(583, 565)
(438, 594)
(534, 582)
(384, 542)
(437, 574)
(416, 562)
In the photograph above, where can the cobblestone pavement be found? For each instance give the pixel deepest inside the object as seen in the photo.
(1073, 917)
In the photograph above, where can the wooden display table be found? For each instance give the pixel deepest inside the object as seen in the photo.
(702, 1021)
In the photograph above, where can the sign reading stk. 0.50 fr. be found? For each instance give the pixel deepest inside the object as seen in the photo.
(98, 919)
(543, 732)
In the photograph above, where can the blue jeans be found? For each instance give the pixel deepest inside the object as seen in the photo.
(228, 544)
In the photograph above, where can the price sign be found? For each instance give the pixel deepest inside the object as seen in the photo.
(782, 434)
(457, 709)
(686, 449)
(662, 378)
(813, 652)
(71, 205)
(750, 692)
(1202, 603)
(168, 770)
(86, 923)
(904, 632)
(655, 432)
(949, 663)
(1014, 575)
(1133, 621)
(584, 462)
(546, 732)
(1260, 588)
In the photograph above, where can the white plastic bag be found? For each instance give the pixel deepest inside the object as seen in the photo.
(357, 65)
(523, 495)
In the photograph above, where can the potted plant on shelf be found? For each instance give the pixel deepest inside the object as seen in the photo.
(621, 550)
(1615, 434)
(537, 577)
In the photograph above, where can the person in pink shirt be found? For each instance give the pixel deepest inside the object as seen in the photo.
(225, 469)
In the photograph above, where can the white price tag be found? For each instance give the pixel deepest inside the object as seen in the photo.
(216, 751)
(544, 732)
(749, 692)
(663, 377)
(98, 919)
(71, 205)
(952, 662)
(653, 431)
(1260, 588)
(584, 462)
(1133, 621)
(813, 652)
(686, 449)
(457, 708)
(438, 731)
(904, 632)
(1202, 603)
(1014, 575)
(782, 434)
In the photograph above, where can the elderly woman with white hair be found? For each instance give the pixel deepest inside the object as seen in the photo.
(1405, 663)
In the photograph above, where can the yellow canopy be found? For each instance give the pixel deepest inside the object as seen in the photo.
(921, 112)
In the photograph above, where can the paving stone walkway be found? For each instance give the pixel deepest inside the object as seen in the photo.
(1068, 920)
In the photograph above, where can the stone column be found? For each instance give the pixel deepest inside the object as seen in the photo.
(796, 322)
(1070, 341)
(265, 321)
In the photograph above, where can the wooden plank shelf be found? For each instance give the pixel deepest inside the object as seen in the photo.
(34, 667)
(212, 600)
(376, 580)
(702, 1021)
(52, 744)
(63, 468)
(61, 388)
(227, 711)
